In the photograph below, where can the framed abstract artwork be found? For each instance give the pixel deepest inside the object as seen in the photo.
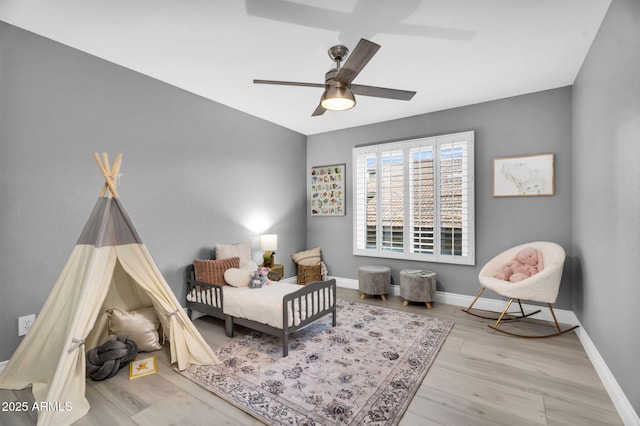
(328, 190)
(142, 367)
(523, 176)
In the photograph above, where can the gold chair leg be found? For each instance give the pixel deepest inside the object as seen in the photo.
(506, 316)
(555, 320)
(537, 336)
(553, 314)
(504, 312)
(468, 310)
(522, 309)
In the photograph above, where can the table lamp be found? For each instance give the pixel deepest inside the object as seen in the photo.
(269, 244)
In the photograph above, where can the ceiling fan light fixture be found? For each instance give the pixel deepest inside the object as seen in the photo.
(337, 98)
(337, 95)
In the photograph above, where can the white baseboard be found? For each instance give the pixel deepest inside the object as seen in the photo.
(346, 283)
(563, 316)
(619, 399)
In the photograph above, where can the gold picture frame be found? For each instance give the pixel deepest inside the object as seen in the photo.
(524, 176)
(142, 367)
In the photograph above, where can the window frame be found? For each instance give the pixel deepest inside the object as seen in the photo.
(437, 143)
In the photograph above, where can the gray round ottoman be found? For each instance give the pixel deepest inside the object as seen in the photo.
(418, 286)
(374, 280)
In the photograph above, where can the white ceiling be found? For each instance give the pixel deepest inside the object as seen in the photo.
(451, 52)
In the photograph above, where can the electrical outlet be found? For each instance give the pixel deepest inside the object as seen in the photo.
(25, 323)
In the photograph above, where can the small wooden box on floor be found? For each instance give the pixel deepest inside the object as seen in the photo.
(418, 286)
(374, 280)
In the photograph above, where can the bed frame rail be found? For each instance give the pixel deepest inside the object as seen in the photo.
(316, 300)
(214, 291)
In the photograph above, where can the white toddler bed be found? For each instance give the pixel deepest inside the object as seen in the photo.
(278, 309)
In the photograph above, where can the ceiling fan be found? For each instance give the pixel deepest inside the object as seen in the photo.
(338, 88)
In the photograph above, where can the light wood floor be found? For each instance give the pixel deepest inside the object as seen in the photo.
(480, 377)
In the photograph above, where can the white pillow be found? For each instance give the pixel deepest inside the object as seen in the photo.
(238, 277)
(241, 250)
(250, 265)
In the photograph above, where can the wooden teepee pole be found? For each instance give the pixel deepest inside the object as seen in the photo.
(109, 175)
(115, 170)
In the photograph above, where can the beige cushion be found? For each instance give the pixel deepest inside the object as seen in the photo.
(140, 325)
(237, 277)
(212, 271)
(308, 257)
(241, 250)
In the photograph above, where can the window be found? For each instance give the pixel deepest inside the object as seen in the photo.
(415, 199)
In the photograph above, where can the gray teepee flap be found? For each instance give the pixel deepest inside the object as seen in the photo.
(109, 225)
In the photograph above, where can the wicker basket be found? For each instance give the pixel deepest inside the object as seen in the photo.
(309, 273)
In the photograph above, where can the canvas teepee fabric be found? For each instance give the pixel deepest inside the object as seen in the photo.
(109, 267)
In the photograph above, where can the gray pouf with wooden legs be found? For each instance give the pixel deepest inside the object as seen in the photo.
(418, 286)
(374, 280)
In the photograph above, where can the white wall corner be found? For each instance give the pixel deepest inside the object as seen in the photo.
(3, 364)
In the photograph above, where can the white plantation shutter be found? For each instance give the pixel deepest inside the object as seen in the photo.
(421, 193)
(415, 199)
(391, 209)
(365, 182)
(455, 188)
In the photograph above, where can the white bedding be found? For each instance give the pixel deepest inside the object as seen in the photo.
(262, 304)
(205, 296)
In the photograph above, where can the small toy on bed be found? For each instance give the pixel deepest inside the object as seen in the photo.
(255, 281)
(264, 275)
(526, 263)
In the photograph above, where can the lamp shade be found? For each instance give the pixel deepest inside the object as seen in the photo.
(337, 98)
(269, 242)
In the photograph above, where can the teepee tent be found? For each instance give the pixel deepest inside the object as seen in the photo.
(109, 267)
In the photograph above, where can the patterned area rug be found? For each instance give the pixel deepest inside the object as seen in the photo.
(365, 370)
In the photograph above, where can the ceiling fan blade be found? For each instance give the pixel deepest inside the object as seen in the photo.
(318, 111)
(288, 83)
(382, 92)
(356, 61)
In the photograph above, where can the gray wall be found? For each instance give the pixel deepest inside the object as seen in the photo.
(529, 124)
(606, 194)
(194, 172)
(185, 189)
